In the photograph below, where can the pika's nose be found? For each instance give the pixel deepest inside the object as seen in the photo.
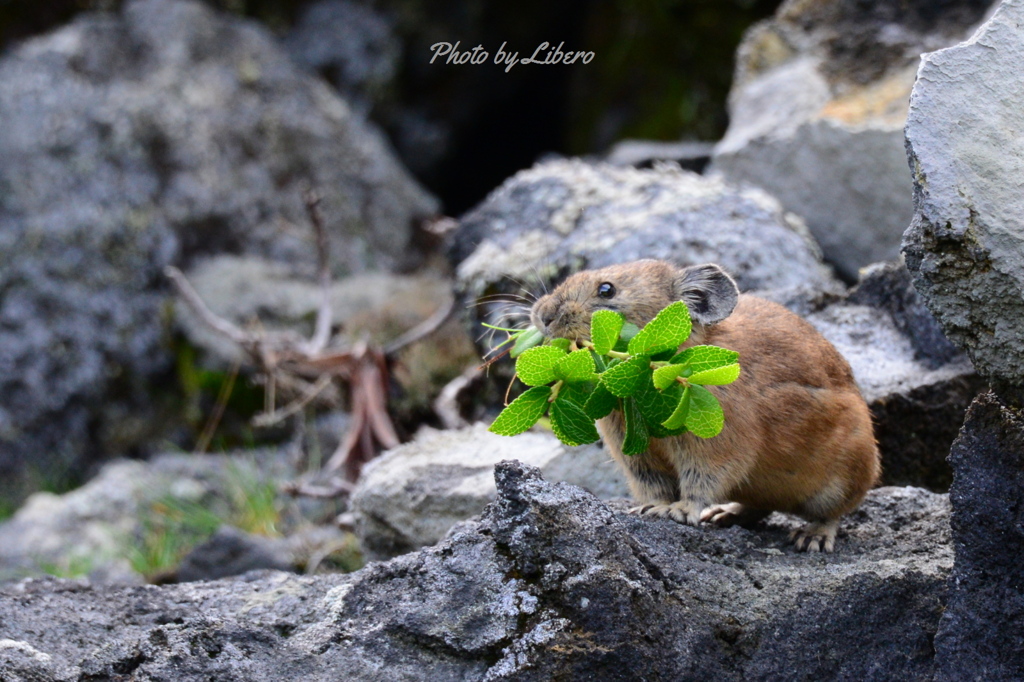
(547, 317)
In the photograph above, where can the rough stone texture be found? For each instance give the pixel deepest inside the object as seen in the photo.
(157, 135)
(550, 584)
(350, 45)
(817, 111)
(981, 634)
(967, 157)
(567, 215)
(94, 528)
(917, 384)
(410, 496)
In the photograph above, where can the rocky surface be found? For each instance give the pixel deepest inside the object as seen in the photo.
(123, 519)
(981, 634)
(157, 135)
(550, 583)
(917, 384)
(410, 496)
(567, 215)
(967, 157)
(817, 111)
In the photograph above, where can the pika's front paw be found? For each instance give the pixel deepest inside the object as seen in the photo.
(683, 512)
(815, 537)
(732, 514)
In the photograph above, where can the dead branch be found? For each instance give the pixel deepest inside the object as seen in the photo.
(322, 330)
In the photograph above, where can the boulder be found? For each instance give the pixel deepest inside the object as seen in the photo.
(917, 384)
(160, 134)
(134, 519)
(551, 583)
(410, 496)
(567, 215)
(967, 156)
(817, 111)
(980, 635)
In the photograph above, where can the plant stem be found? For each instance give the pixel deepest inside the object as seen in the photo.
(554, 391)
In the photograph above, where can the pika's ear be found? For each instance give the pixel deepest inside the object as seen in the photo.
(708, 292)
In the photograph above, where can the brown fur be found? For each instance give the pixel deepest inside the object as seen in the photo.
(798, 436)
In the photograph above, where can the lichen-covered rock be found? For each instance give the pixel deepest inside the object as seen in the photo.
(817, 109)
(967, 155)
(410, 496)
(159, 134)
(980, 635)
(567, 215)
(551, 583)
(917, 384)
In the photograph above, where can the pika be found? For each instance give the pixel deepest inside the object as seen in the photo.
(798, 436)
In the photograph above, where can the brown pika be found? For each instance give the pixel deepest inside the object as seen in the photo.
(798, 436)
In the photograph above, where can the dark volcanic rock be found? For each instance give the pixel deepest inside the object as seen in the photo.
(160, 134)
(551, 583)
(981, 634)
(967, 156)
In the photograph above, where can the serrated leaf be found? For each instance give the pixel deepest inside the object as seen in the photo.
(576, 367)
(627, 377)
(536, 367)
(637, 439)
(665, 376)
(705, 417)
(677, 420)
(578, 393)
(719, 376)
(605, 326)
(701, 358)
(561, 343)
(656, 406)
(522, 413)
(600, 403)
(571, 424)
(528, 338)
(667, 330)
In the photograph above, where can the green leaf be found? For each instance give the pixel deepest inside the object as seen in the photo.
(576, 367)
(657, 406)
(600, 403)
(561, 343)
(571, 424)
(667, 330)
(605, 326)
(637, 439)
(629, 330)
(705, 417)
(718, 376)
(678, 418)
(536, 367)
(526, 339)
(522, 413)
(665, 376)
(700, 358)
(627, 377)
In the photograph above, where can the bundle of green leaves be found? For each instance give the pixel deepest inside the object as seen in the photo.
(640, 372)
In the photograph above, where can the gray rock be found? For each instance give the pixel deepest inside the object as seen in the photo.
(916, 383)
(411, 496)
(967, 157)
(98, 528)
(157, 135)
(567, 215)
(980, 635)
(350, 45)
(231, 551)
(550, 584)
(817, 113)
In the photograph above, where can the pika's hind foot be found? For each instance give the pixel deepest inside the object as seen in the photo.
(733, 514)
(683, 511)
(815, 537)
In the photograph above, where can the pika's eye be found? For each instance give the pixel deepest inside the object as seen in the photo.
(606, 290)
